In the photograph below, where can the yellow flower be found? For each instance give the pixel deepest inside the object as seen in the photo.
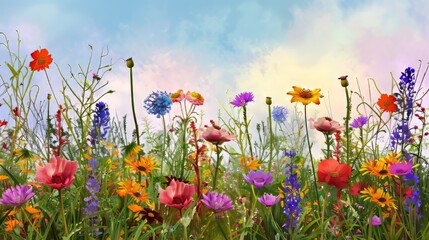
(139, 193)
(305, 96)
(391, 158)
(381, 170)
(367, 167)
(144, 166)
(131, 149)
(382, 198)
(252, 165)
(124, 187)
(3, 177)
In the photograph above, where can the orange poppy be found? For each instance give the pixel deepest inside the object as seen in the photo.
(41, 60)
(333, 173)
(387, 103)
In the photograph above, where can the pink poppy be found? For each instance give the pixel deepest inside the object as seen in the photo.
(215, 134)
(326, 125)
(177, 194)
(58, 173)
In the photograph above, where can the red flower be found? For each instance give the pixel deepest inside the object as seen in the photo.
(356, 188)
(58, 173)
(16, 111)
(387, 103)
(177, 194)
(3, 123)
(41, 60)
(333, 173)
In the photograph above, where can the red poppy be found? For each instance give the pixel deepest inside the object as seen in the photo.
(334, 173)
(356, 188)
(41, 60)
(387, 103)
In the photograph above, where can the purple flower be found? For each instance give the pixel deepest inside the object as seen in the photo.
(401, 168)
(375, 221)
(279, 114)
(258, 178)
(269, 199)
(359, 122)
(217, 202)
(242, 99)
(16, 196)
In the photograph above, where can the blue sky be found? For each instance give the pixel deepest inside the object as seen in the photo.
(221, 48)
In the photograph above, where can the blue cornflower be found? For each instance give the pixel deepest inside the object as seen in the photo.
(279, 114)
(100, 123)
(158, 103)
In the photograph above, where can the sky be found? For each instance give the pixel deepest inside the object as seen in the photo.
(221, 48)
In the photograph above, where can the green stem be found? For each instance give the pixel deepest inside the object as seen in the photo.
(63, 213)
(311, 157)
(163, 142)
(271, 137)
(217, 166)
(48, 133)
(133, 108)
(246, 125)
(347, 126)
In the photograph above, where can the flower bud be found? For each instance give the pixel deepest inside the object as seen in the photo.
(49, 96)
(268, 100)
(344, 81)
(130, 63)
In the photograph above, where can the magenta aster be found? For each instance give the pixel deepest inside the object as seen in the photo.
(258, 178)
(16, 196)
(217, 202)
(242, 99)
(269, 199)
(359, 122)
(401, 168)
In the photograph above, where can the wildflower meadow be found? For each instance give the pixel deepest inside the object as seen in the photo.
(69, 169)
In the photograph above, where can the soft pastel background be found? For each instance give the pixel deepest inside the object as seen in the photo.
(219, 47)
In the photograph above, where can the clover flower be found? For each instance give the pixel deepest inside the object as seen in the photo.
(158, 103)
(16, 196)
(217, 202)
(242, 99)
(279, 114)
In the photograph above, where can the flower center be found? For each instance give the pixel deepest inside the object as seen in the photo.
(306, 94)
(151, 215)
(141, 168)
(137, 194)
(386, 104)
(41, 61)
(383, 172)
(382, 199)
(334, 174)
(57, 179)
(177, 200)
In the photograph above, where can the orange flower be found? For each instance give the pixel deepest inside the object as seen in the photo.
(177, 96)
(145, 165)
(305, 96)
(41, 60)
(195, 98)
(250, 164)
(334, 173)
(387, 103)
(11, 224)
